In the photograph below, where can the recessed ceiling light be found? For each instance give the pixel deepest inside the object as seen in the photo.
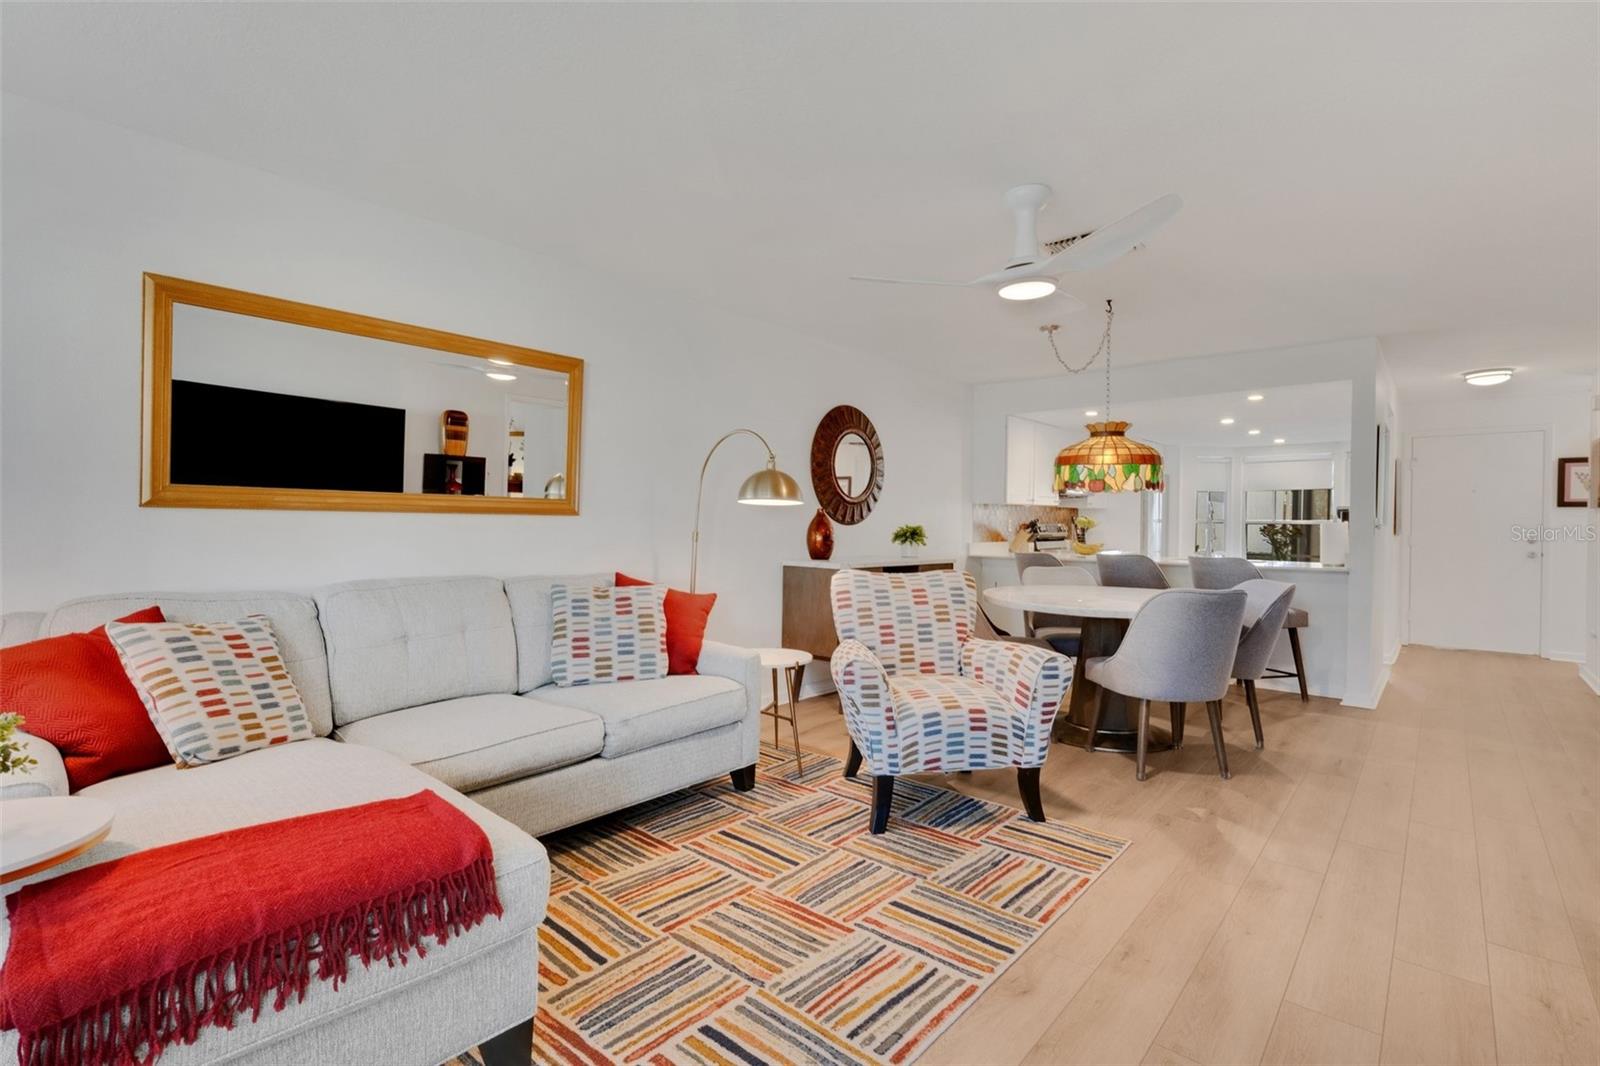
(1255, 433)
(1227, 421)
(497, 361)
(1277, 440)
(1255, 397)
(1091, 414)
(493, 376)
(1027, 288)
(1497, 375)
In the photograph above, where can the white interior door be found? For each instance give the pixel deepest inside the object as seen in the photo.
(1474, 583)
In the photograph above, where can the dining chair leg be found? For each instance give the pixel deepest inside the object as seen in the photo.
(852, 762)
(1094, 718)
(1143, 744)
(1214, 709)
(1178, 710)
(882, 799)
(1255, 712)
(1299, 664)
(1028, 786)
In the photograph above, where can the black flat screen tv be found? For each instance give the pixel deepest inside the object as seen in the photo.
(227, 436)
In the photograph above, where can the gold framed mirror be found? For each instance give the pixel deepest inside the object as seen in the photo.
(251, 401)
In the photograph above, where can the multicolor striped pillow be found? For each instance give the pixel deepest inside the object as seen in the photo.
(213, 689)
(601, 634)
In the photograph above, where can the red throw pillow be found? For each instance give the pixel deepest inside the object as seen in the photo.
(687, 614)
(73, 693)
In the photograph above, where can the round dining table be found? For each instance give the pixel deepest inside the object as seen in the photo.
(1105, 613)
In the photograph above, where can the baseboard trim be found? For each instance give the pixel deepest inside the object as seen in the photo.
(1590, 678)
(1564, 656)
(1370, 701)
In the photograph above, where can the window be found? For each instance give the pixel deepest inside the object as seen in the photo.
(1286, 524)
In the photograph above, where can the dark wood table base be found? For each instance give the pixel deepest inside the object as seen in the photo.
(1118, 729)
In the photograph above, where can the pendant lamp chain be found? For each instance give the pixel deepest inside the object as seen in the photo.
(1104, 347)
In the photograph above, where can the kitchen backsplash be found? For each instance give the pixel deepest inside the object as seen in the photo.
(997, 521)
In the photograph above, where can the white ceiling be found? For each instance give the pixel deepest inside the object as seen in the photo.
(1425, 173)
(1300, 414)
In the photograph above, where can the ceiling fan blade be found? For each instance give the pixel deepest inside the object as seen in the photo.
(914, 281)
(1114, 240)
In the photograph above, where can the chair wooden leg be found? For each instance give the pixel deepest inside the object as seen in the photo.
(1299, 664)
(1142, 746)
(882, 798)
(1028, 786)
(1094, 718)
(1214, 709)
(514, 1047)
(1178, 711)
(744, 778)
(852, 762)
(1255, 712)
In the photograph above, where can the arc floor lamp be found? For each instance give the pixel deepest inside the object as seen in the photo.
(767, 487)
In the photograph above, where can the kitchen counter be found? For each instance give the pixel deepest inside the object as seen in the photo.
(999, 550)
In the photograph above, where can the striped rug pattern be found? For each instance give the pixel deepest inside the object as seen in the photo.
(734, 929)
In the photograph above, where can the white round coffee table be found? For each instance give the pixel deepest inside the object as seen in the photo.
(793, 664)
(36, 834)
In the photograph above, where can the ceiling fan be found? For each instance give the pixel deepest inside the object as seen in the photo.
(1032, 269)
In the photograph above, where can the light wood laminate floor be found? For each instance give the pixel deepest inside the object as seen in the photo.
(1415, 884)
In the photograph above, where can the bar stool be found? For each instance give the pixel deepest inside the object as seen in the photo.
(1226, 572)
(1266, 604)
(792, 662)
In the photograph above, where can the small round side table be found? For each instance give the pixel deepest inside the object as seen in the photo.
(793, 664)
(41, 832)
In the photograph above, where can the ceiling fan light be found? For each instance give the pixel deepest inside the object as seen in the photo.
(1027, 289)
(1497, 375)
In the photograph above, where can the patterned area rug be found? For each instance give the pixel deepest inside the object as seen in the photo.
(715, 926)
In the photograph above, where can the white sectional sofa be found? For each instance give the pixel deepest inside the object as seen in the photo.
(440, 683)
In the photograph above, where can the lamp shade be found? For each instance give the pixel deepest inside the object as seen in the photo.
(1108, 461)
(770, 487)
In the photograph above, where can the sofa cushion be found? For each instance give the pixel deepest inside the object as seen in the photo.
(477, 741)
(400, 643)
(530, 611)
(642, 714)
(293, 616)
(600, 636)
(165, 805)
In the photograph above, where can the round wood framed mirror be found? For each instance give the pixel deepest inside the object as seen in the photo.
(846, 465)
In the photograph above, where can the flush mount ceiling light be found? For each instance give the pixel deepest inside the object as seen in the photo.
(496, 376)
(1091, 414)
(1497, 375)
(1277, 440)
(1226, 421)
(1255, 433)
(1255, 397)
(1031, 271)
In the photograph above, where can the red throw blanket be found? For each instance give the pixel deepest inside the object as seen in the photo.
(111, 963)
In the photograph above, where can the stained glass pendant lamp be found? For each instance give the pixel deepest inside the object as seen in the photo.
(1108, 460)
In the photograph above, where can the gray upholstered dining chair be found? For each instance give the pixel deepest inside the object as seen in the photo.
(1266, 604)
(1131, 571)
(1180, 648)
(1226, 572)
(1062, 632)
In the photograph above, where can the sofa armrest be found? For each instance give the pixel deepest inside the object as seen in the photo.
(1032, 679)
(737, 664)
(47, 778)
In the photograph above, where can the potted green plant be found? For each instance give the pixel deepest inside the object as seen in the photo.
(1280, 537)
(12, 755)
(910, 538)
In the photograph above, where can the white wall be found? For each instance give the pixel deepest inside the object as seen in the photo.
(88, 207)
(1563, 415)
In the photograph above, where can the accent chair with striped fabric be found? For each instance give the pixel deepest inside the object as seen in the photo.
(921, 695)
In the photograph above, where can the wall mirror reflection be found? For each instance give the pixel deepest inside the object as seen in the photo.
(852, 466)
(252, 401)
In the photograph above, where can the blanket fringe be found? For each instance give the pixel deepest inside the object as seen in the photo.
(134, 1027)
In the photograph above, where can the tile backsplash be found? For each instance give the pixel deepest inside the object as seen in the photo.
(997, 521)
